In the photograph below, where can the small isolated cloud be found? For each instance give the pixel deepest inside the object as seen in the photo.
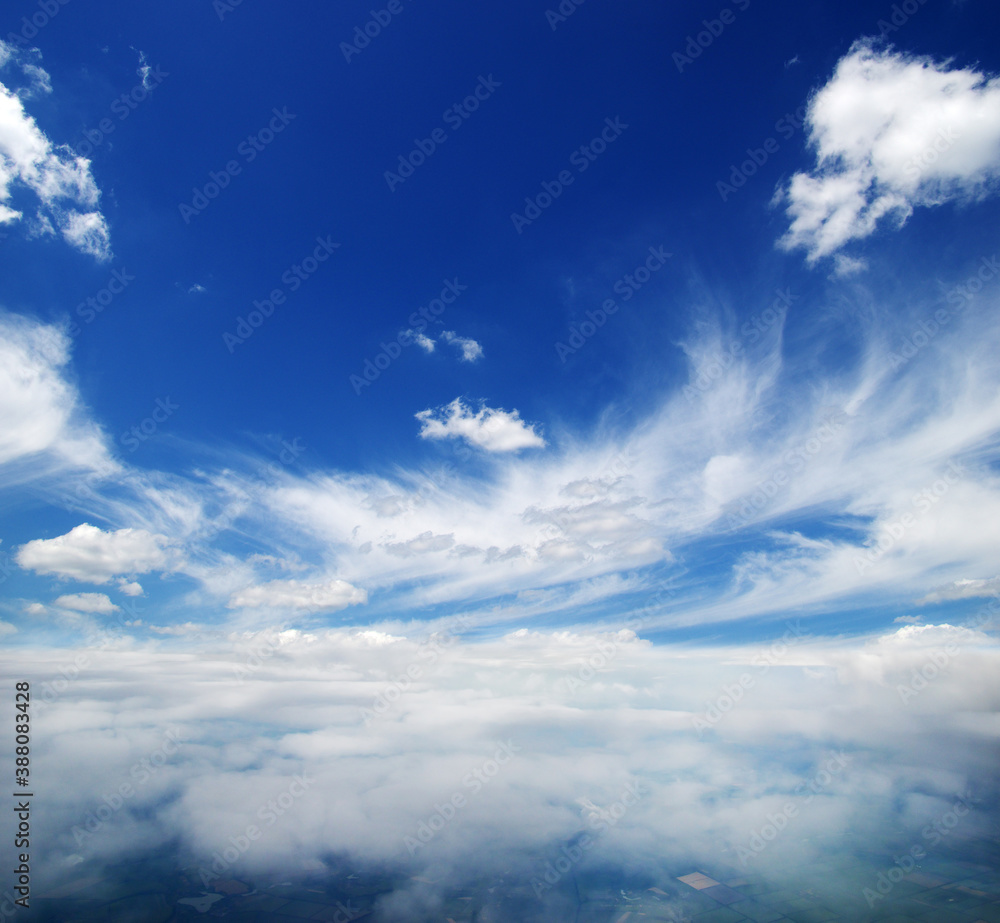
(89, 554)
(7, 629)
(61, 181)
(86, 602)
(143, 70)
(297, 594)
(907, 620)
(34, 609)
(129, 588)
(962, 589)
(489, 429)
(470, 349)
(891, 132)
(197, 289)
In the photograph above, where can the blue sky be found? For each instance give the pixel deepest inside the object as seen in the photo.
(688, 176)
(502, 320)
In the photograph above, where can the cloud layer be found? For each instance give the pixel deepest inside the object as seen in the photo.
(541, 733)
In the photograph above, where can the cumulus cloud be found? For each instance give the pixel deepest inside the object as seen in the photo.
(129, 587)
(328, 596)
(489, 429)
(92, 555)
(61, 181)
(86, 602)
(891, 132)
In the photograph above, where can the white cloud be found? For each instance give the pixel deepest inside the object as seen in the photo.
(86, 602)
(87, 232)
(423, 544)
(129, 587)
(963, 589)
(40, 411)
(422, 340)
(489, 429)
(470, 349)
(179, 631)
(328, 596)
(87, 553)
(892, 132)
(583, 714)
(62, 182)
